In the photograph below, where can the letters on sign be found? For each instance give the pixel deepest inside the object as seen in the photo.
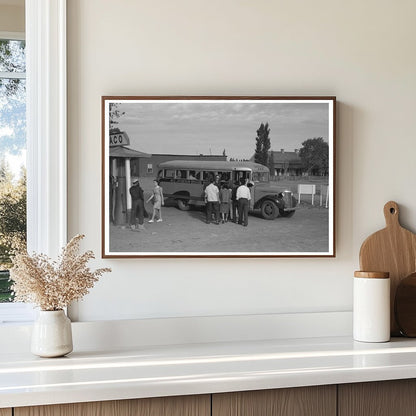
(119, 139)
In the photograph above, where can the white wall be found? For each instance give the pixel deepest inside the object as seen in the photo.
(361, 51)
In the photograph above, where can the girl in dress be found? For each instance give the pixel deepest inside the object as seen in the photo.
(158, 201)
(225, 198)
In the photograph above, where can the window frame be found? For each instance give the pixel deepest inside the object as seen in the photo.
(46, 125)
(46, 140)
(12, 36)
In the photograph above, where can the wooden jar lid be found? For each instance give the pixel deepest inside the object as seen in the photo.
(372, 275)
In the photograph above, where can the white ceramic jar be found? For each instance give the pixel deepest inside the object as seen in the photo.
(371, 308)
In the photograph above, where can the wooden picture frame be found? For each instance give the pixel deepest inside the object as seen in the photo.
(280, 149)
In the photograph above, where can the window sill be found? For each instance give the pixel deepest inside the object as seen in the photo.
(16, 313)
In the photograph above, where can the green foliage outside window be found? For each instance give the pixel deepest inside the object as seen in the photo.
(12, 147)
(12, 224)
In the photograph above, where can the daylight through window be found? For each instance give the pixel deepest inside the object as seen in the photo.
(12, 156)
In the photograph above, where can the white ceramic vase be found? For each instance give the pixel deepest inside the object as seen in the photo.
(52, 334)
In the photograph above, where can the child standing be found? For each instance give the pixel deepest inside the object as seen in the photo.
(158, 201)
(225, 198)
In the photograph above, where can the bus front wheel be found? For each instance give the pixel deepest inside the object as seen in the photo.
(269, 210)
(183, 205)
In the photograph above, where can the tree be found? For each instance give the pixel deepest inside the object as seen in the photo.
(261, 154)
(12, 59)
(270, 163)
(115, 114)
(12, 214)
(12, 142)
(12, 97)
(5, 172)
(315, 156)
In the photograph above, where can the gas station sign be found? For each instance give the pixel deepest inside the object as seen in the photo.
(119, 139)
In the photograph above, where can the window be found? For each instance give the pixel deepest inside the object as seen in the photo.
(195, 175)
(261, 177)
(224, 176)
(46, 136)
(242, 175)
(181, 174)
(13, 155)
(169, 173)
(149, 168)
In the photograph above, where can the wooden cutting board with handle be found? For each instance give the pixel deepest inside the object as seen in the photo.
(393, 250)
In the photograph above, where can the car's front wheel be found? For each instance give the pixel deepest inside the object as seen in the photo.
(269, 209)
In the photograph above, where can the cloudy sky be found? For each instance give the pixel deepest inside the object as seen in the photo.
(211, 127)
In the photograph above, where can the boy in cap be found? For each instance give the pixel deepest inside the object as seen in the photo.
(137, 205)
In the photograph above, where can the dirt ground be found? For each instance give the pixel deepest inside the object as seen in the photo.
(186, 231)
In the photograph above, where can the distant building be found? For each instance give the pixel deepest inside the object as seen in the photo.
(286, 163)
(148, 167)
(283, 163)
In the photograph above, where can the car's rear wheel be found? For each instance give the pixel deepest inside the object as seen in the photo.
(286, 214)
(269, 210)
(183, 205)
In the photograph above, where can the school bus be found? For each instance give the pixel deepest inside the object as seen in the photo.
(185, 180)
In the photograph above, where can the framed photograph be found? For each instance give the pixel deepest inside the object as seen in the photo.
(218, 177)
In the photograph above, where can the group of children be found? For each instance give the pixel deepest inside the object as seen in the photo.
(225, 202)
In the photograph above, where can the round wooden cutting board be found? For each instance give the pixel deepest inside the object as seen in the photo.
(392, 250)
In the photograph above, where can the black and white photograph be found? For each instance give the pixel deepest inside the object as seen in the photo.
(218, 176)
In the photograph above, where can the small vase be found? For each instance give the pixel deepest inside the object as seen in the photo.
(52, 334)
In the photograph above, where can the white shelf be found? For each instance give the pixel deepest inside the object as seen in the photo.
(150, 371)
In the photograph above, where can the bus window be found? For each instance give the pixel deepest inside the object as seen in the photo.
(208, 175)
(194, 175)
(261, 177)
(245, 174)
(169, 173)
(181, 174)
(224, 176)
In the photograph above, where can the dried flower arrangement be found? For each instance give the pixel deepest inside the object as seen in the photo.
(52, 285)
